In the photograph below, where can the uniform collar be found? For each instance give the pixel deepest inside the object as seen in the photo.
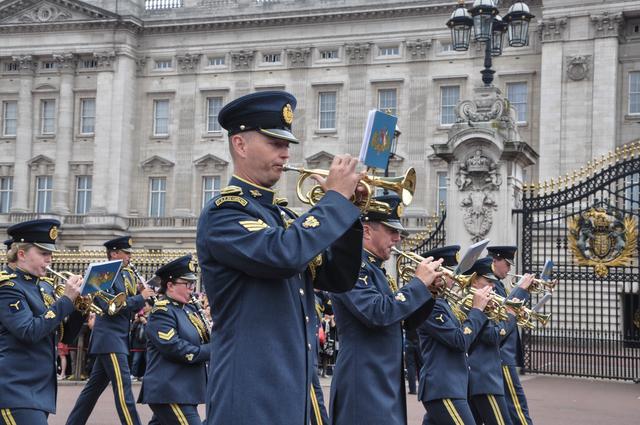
(174, 302)
(368, 257)
(25, 275)
(262, 194)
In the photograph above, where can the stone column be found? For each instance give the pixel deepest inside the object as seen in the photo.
(605, 82)
(24, 134)
(551, 33)
(357, 56)
(102, 167)
(66, 66)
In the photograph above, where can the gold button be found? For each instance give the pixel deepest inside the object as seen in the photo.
(301, 292)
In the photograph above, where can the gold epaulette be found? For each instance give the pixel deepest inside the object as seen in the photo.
(48, 280)
(6, 276)
(231, 190)
(160, 306)
(282, 202)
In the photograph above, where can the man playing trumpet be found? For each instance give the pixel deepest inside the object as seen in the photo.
(29, 318)
(368, 382)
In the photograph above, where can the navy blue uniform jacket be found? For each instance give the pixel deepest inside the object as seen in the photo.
(254, 256)
(176, 355)
(368, 381)
(111, 333)
(444, 342)
(28, 342)
(485, 375)
(511, 347)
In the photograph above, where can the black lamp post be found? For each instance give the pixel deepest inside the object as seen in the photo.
(489, 28)
(392, 153)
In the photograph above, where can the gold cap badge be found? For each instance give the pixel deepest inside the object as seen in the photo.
(287, 114)
(53, 233)
(192, 266)
(400, 209)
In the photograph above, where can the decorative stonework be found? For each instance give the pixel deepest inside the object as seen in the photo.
(487, 106)
(358, 52)
(607, 25)
(478, 177)
(189, 62)
(418, 49)
(42, 165)
(81, 168)
(242, 59)
(26, 64)
(578, 67)
(299, 58)
(551, 29)
(105, 60)
(45, 12)
(65, 62)
(141, 64)
(210, 163)
(156, 164)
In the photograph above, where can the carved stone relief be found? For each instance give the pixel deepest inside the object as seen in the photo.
(242, 59)
(45, 13)
(551, 29)
(299, 57)
(105, 59)
(65, 61)
(188, 62)
(418, 49)
(607, 25)
(357, 52)
(578, 67)
(477, 178)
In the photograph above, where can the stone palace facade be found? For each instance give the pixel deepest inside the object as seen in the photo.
(109, 108)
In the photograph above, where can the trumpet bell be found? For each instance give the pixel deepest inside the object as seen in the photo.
(404, 186)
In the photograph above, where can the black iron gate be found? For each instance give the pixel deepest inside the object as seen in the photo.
(587, 223)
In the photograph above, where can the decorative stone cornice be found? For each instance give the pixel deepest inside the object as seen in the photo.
(41, 164)
(418, 49)
(105, 60)
(299, 58)
(578, 67)
(210, 163)
(141, 64)
(357, 53)
(81, 168)
(242, 60)
(551, 29)
(156, 164)
(607, 25)
(26, 64)
(188, 62)
(65, 62)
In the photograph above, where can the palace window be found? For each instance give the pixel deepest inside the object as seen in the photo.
(389, 50)
(48, 116)
(449, 97)
(9, 118)
(210, 188)
(388, 101)
(214, 105)
(44, 190)
(217, 61)
(634, 92)
(329, 54)
(83, 194)
(157, 196)
(161, 117)
(87, 115)
(441, 200)
(163, 64)
(6, 189)
(272, 58)
(518, 97)
(327, 110)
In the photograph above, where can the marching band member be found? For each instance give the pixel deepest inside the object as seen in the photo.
(110, 345)
(444, 342)
(178, 348)
(260, 264)
(368, 381)
(29, 318)
(486, 390)
(511, 348)
(319, 414)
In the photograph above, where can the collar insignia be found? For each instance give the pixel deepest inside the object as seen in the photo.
(467, 330)
(400, 297)
(15, 305)
(189, 357)
(364, 279)
(49, 315)
(255, 193)
(503, 332)
(440, 318)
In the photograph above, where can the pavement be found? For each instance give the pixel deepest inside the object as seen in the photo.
(552, 401)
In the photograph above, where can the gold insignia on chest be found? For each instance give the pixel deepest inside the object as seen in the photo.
(253, 225)
(189, 357)
(400, 297)
(364, 279)
(167, 335)
(53, 233)
(503, 332)
(49, 315)
(440, 318)
(467, 330)
(236, 199)
(372, 259)
(255, 193)
(26, 277)
(15, 305)
(310, 222)
(287, 114)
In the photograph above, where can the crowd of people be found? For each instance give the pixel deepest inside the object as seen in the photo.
(290, 295)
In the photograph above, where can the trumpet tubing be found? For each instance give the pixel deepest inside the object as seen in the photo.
(538, 285)
(408, 271)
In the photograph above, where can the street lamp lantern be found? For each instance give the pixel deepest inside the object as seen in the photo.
(518, 19)
(460, 23)
(483, 12)
(489, 28)
(497, 35)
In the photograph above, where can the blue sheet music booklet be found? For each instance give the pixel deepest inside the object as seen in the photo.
(100, 276)
(377, 140)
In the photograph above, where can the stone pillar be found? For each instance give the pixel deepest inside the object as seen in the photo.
(551, 32)
(102, 168)
(66, 66)
(24, 134)
(486, 158)
(605, 82)
(357, 56)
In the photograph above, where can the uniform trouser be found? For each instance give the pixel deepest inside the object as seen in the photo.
(514, 395)
(175, 414)
(448, 411)
(23, 417)
(318, 410)
(489, 409)
(412, 359)
(114, 368)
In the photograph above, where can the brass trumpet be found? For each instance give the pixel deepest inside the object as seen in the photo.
(407, 271)
(86, 304)
(526, 317)
(538, 285)
(404, 186)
